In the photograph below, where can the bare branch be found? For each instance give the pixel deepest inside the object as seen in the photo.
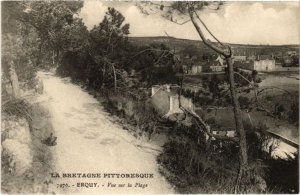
(180, 23)
(152, 49)
(207, 128)
(208, 29)
(259, 105)
(251, 83)
(205, 41)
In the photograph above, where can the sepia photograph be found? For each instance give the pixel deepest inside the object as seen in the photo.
(150, 97)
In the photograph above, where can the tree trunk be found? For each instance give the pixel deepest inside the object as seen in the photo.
(53, 57)
(115, 77)
(13, 77)
(243, 158)
(39, 54)
(103, 77)
(57, 57)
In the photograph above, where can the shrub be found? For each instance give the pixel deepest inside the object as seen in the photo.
(245, 103)
(283, 174)
(294, 112)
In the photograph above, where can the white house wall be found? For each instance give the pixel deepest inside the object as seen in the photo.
(174, 104)
(264, 65)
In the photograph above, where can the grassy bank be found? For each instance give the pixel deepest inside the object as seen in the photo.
(32, 156)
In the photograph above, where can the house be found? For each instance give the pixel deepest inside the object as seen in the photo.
(251, 57)
(185, 69)
(239, 58)
(196, 69)
(264, 65)
(216, 65)
(224, 124)
(220, 60)
(165, 100)
(264, 57)
(291, 53)
(260, 63)
(192, 67)
(217, 68)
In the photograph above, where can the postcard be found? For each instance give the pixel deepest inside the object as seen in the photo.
(149, 97)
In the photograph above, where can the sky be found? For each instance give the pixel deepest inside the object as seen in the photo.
(273, 23)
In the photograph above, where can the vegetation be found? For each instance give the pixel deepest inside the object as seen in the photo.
(183, 12)
(106, 61)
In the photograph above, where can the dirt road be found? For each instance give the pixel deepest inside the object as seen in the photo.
(89, 142)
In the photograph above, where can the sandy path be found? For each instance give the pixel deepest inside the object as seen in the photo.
(88, 142)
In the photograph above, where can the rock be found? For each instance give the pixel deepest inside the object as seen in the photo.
(16, 141)
(39, 88)
(50, 141)
(18, 130)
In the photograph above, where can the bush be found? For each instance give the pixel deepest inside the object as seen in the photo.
(189, 161)
(245, 103)
(194, 165)
(283, 174)
(17, 107)
(294, 113)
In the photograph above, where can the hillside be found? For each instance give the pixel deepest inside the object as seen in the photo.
(180, 44)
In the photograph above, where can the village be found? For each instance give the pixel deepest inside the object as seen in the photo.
(192, 65)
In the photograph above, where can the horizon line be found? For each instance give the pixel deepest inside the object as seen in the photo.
(163, 36)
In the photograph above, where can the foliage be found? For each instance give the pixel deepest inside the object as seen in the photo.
(17, 107)
(155, 63)
(294, 112)
(283, 174)
(279, 110)
(100, 54)
(110, 36)
(190, 160)
(18, 47)
(245, 102)
(37, 33)
(142, 117)
(190, 51)
(53, 22)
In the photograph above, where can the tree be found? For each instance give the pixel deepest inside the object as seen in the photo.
(190, 50)
(183, 12)
(52, 22)
(244, 102)
(14, 53)
(155, 63)
(108, 45)
(33, 30)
